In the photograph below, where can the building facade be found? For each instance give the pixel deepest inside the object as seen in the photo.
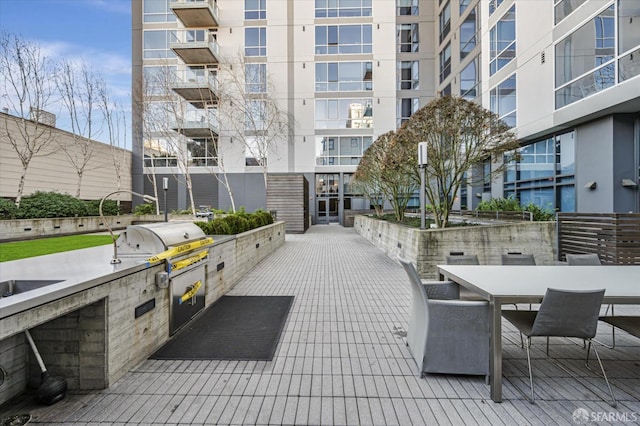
(564, 73)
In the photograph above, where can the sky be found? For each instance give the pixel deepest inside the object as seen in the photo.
(95, 31)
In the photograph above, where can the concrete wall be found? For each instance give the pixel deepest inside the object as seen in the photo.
(428, 248)
(92, 337)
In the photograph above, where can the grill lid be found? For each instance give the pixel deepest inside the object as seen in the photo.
(153, 238)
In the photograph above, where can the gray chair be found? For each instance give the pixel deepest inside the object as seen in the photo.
(463, 259)
(446, 335)
(583, 259)
(518, 259)
(562, 313)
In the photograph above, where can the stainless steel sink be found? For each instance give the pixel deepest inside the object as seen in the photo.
(11, 287)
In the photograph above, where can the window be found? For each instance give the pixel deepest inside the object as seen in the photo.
(585, 60)
(342, 8)
(156, 79)
(255, 151)
(468, 34)
(469, 80)
(344, 76)
(564, 8)
(493, 5)
(343, 39)
(159, 152)
(463, 5)
(486, 175)
(255, 9)
(408, 75)
(407, 7)
(158, 11)
(202, 152)
(445, 21)
(255, 78)
(628, 39)
(405, 108)
(341, 150)
(502, 41)
(407, 38)
(255, 41)
(255, 118)
(503, 100)
(445, 62)
(344, 114)
(156, 44)
(544, 174)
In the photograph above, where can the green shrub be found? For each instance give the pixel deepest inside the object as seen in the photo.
(143, 209)
(539, 213)
(51, 204)
(109, 208)
(236, 223)
(219, 227)
(511, 204)
(8, 209)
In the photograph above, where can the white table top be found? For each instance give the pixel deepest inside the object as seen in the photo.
(621, 282)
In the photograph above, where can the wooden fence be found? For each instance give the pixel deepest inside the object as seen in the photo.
(614, 237)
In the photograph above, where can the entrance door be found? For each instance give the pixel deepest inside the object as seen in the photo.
(328, 210)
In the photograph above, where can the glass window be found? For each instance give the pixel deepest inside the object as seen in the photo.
(446, 91)
(156, 79)
(255, 41)
(468, 34)
(160, 152)
(469, 80)
(255, 78)
(407, 7)
(463, 5)
(565, 154)
(503, 100)
(502, 41)
(255, 117)
(255, 151)
(405, 108)
(344, 114)
(584, 61)
(408, 75)
(445, 21)
(343, 39)
(255, 9)
(202, 152)
(564, 8)
(629, 66)
(158, 11)
(486, 175)
(156, 44)
(344, 76)
(493, 5)
(341, 150)
(407, 38)
(342, 8)
(445, 62)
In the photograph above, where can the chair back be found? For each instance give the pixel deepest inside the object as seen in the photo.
(583, 259)
(568, 313)
(419, 316)
(518, 259)
(464, 259)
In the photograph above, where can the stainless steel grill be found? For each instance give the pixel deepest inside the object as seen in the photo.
(153, 238)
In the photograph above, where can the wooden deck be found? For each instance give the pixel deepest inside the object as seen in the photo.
(342, 361)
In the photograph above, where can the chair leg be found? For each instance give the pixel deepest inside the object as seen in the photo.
(613, 402)
(532, 400)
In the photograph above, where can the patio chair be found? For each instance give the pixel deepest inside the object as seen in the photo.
(583, 259)
(562, 313)
(463, 259)
(448, 336)
(518, 259)
(628, 323)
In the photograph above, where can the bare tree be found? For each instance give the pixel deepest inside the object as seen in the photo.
(26, 74)
(459, 134)
(79, 88)
(250, 113)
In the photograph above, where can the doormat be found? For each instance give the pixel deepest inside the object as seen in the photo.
(234, 328)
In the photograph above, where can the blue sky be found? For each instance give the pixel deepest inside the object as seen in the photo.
(96, 31)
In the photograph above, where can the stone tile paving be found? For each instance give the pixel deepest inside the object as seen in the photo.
(342, 361)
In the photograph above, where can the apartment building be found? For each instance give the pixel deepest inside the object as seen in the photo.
(564, 73)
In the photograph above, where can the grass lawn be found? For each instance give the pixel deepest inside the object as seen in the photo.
(30, 248)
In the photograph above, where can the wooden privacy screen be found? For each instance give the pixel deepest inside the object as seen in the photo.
(614, 237)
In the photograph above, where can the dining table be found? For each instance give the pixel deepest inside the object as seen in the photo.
(500, 285)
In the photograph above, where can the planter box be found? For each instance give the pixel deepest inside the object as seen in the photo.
(429, 248)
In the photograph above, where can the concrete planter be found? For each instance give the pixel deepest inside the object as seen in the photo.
(428, 248)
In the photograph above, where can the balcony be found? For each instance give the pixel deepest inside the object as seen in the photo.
(195, 47)
(196, 13)
(198, 124)
(199, 90)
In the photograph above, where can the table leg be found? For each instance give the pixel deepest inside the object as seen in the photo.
(495, 368)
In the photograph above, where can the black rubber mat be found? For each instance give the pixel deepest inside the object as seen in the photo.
(235, 327)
